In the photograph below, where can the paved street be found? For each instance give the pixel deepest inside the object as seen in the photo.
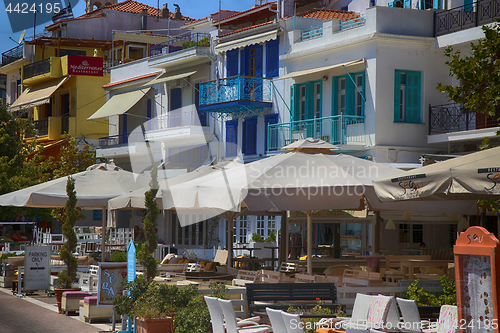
(20, 315)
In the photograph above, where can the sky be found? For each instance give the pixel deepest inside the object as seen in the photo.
(192, 8)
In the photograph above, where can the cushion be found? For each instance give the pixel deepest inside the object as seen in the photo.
(174, 261)
(181, 261)
(209, 266)
(448, 319)
(379, 309)
(90, 300)
(76, 294)
(164, 261)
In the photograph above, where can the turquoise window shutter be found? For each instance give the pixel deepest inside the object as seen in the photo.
(413, 97)
(363, 94)
(335, 96)
(309, 100)
(397, 85)
(468, 5)
(435, 4)
(270, 120)
(294, 101)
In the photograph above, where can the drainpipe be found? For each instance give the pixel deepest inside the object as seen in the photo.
(144, 19)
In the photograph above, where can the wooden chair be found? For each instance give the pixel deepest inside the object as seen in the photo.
(244, 276)
(304, 278)
(289, 267)
(272, 276)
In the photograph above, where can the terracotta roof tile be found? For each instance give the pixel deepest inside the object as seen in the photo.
(327, 14)
(247, 28)
(131, 6)
(137, 78)
(249, 10)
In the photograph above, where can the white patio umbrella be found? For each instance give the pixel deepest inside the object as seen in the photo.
(473, 176)
(308, 178)
(94, 187)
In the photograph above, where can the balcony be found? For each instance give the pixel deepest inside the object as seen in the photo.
(465, 17)
(53, 127)
(37, 68)
(237, 95)
(452, 122)
(179, 43)
(179, 128)
(124, 145)
(12, 55)
(42, 128)
(337, 130)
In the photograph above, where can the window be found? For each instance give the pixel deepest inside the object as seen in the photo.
(193, 234)
(348, 94)
(302, 103)
(272, 58)
(261, 225)
(232, 62)
(175, 99)
(97, 215)
(231, 138)
(250, 136)
(407, 96)
(240, 230)
(306, 100)
(404, 233)
(411, 233)
(251, 61)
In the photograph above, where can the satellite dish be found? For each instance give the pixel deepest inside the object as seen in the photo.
(21, 38)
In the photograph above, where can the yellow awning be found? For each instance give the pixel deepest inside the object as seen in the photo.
(320, 69)
(119, 104)
(170, 76)
(37, 95)
(256, 39)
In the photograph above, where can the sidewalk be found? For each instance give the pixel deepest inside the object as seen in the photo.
(41, 299)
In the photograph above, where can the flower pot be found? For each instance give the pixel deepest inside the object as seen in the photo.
(59, 292)
(154, 325)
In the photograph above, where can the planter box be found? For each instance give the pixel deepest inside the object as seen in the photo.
(155, 325)
(262, 253)
(6, 281)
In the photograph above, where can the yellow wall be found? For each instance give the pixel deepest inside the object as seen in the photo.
(51, 52)
(90, 96)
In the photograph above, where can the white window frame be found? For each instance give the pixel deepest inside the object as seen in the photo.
(341, 95)
(358, 102)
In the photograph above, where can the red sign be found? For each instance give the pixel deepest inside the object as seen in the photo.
(82, 65)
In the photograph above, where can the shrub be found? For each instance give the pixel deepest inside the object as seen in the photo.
(118, 256)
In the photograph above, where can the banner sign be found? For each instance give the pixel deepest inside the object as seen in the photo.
(37, 267)
(111, 281)
(131, 262)
(83, 65)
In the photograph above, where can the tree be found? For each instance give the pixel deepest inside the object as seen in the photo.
(73, 160)
(479, 73)
(145, 254)
(71, 214)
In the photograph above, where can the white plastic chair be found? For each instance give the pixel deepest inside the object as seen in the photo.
(447, 322)
(232, 323)
(276, 319)
(292, 322)
(410, 314)
(215, 314)
(377, 315)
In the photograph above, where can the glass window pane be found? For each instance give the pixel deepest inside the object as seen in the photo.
(403, 78)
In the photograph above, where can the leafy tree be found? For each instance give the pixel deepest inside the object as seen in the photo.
(73, 160)
(478, 73)
(71, 214)
(145, 253)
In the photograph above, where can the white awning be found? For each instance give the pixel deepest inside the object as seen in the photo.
(37, 95)
(120, 103)
(140, 38)
(256, 39)
(170, 76)
(320, 69)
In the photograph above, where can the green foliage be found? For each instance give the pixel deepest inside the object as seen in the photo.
(424, 298)
(73, 160)
(218, 289)
(125, 304)
(204, 41)
(145, 253)
(310, 323)
(12, 254)
(478, 73)
(118, 256)
(257, 238)
(188, 44)
(194, 318)
(71, 214)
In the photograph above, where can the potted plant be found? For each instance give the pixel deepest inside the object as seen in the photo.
(259, 242)
(429, 304)
(70, 214)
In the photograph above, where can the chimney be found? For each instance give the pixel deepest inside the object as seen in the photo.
(177, 14)
(144, 19)
(165, 13)
(288, 7)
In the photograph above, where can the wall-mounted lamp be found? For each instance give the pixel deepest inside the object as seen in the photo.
(390, 225)
(325, 78)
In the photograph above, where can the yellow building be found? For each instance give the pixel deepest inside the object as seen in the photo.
(63, 87)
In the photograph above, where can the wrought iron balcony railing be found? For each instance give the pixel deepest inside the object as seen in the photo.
(464, 17)
(448, 118)
(334, 129)
(42, 128)
(12, 55)
(36, 68)
(236, 88)
(178, 43)
(121, 139)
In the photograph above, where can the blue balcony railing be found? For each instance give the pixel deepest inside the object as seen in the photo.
(334, 129)
(12, 55)
(236, 88)
(311, 33)
(353, 23)
(179, 43)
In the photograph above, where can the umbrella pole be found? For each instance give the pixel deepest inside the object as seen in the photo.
(103, 235)
(230, 226)
(309, 242)
(376, 234)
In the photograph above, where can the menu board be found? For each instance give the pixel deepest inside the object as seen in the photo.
(477, 296)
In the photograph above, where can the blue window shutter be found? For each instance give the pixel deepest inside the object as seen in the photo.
(468, 5)
(413, 97)
(335, 96)
(244, 61)
(124, 128)
(309, 100)
(232, 138)
(435, 4)
(269, 120)
(232, 62)
(294, 101)
(272, 58)
(175, 99)
(148, 109)
(258, 60)
(397, 86)
(250, 136)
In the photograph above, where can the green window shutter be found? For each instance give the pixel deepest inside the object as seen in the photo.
(413, 97)
(363, 93)
(397, 84)
(349, 95)
(309, 100)
(335, 96)
(294, 102)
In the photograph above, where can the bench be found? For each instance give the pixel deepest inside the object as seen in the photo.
(303, 295)
(245, 277)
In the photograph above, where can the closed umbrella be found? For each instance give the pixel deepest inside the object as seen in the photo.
(473, 176)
